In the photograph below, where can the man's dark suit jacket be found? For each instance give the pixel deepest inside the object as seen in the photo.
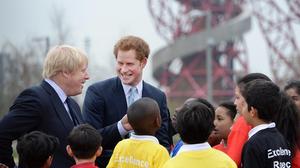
(38, 108)
(105, 104)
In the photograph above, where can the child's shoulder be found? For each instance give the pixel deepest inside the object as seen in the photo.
(221, 156)
(218, 152)
(123, 142)
(265, 134)
(154, 146)
(162, 148)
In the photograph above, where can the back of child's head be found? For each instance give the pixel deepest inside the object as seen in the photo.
(251, 77)
(229, 105)
(187, 102)
(205, 102)
(264, 96)
(35, 148)
(195, 122)
(144, 116)
(85, 141)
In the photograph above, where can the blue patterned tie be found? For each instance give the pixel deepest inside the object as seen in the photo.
(132, 95)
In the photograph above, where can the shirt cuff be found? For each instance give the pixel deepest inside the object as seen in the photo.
(121, 129)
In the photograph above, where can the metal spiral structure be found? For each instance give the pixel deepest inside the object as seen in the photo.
(193, 30)
(276, 19)
(196, 28)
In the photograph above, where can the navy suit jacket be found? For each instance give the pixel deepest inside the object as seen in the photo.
(38, 108)
(105, 105)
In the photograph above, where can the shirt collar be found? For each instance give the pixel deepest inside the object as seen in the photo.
(192, 147)
(85, 164)
(139, 87)
(259, 128)
(144, 137)
(58, 90)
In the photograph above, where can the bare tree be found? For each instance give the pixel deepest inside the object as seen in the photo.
(60, 25)
(20, 69)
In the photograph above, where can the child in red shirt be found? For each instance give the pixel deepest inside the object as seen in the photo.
(84, 145)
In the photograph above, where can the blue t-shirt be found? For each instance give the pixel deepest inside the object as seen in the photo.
(176, 148)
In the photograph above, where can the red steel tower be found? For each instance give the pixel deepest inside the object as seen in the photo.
(206, 50)
(200, 29)
(276, 19)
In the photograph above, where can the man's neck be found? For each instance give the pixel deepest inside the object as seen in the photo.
(58, 79)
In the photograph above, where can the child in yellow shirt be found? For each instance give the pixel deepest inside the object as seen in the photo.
(142, 149)
(194, 125)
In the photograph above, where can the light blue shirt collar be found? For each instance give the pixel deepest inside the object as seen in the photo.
(58, 90)
(259, 128)
(139, 87)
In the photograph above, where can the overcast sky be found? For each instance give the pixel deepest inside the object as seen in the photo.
(103, 22)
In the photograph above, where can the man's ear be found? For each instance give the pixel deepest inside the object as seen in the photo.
(69, 151)
(66, 73)
(144, 62)
(99, 151)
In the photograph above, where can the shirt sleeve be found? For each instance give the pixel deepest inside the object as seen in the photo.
(161, 158)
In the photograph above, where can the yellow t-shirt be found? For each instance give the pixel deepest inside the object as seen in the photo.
(138, 153)
(207, 158)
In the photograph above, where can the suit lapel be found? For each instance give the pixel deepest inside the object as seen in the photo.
(58, 106)
(145, 92)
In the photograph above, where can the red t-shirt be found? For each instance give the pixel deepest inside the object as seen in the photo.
(85, 165)
(296, 159)
(221, 147)
(237, 137)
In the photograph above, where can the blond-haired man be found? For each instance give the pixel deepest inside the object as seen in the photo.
(48, 107)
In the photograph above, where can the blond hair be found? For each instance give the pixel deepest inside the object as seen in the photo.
(133, 43)
(63, 58)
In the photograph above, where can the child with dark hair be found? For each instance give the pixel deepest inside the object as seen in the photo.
(224, 118)
(292, 88)
(142, 149)
(211, 138)
(194, 125)
(36, 149)
(239, 130)
(266, 147)
(84, 145)
(187, 101)
(291, 128)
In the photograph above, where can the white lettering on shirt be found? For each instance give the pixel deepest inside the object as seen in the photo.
(278, 152)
